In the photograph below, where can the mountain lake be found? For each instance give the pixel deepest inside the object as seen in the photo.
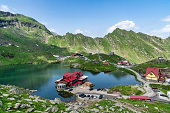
(42, 77)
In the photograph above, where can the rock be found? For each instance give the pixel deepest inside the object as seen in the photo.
(156, 107)
(24, 105)
(69, 108)
(54, 109)
(1, 103)
(100, 107)
(17, 105)
(30, 109)
(48, 109)
(44, 106)
(27, 99)
(5, 95)
(74, 111)
(96, 105)
(30, 103)
(57, 100)
(95, 110)
(52, 101)
(11, 98)
(112, 109)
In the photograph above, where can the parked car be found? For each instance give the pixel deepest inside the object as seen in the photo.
(169, 82)
(91, 89)
(163, 95)
(92, 96)
(98, 89)
(70, 90)
(88, 95)
(95, 97)
(104, 89)
(82, 94)
(101, 96)
(156, 90)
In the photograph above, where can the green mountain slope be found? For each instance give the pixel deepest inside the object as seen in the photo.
(19, 49)
(136, 47)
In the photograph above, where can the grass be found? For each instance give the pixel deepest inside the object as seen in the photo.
(163, 88)
(162, 107)
(126, 90)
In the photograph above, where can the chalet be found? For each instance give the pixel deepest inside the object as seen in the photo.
(77, 55)
(154, 74)
(71, 80)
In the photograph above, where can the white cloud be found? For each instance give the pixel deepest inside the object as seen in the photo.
(122, 25)
(165, 29)
(78, 31)
(4, 8)
(52, 29)
(166, 19)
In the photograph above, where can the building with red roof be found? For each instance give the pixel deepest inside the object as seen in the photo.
(140, 97)
(106, 63)
(71, 80)
(154, 74)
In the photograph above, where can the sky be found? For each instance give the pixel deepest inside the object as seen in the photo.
(96, 18)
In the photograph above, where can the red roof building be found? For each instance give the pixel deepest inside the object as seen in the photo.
(71, 79)
(154, 74)
(140, 97)
(106, 63)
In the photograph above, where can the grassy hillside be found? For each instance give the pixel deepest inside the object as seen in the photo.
(136, 47)
(19, 49)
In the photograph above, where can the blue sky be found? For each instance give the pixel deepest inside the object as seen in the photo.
(96, 18)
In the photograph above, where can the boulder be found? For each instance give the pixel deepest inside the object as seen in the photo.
(57, 100)
(1, 103)
(27, 99)
(95, 110)
(30, 110)
(5, 95)
(101, 108)
(54, 109)
(17, 105)
(48, 109)
(11, 98)
(69, 108)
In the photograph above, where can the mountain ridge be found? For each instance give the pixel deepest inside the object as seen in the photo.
(136, 47)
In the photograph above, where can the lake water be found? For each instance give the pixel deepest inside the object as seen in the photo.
(42, 78)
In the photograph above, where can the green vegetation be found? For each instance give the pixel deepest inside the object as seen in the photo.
(18, 49)
(126, 90)
(135, 47)
(65, 94)
(163, 88)
(141, 68)
(149, 107)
